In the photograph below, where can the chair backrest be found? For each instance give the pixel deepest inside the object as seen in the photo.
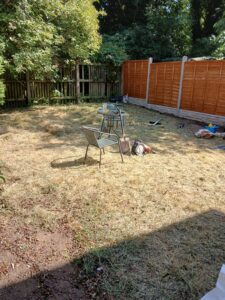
(91, 135)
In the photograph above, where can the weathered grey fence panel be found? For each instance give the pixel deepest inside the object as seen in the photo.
(71, 83)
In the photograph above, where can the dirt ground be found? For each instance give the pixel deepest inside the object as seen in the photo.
(151, 228)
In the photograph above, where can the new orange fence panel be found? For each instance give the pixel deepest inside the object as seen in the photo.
(135, 73)
(204, 87)
(164, 83)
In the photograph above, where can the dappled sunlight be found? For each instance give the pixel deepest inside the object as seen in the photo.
(48, 189)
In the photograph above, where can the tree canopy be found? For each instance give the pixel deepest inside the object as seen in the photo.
(165, 28)
(39, 34)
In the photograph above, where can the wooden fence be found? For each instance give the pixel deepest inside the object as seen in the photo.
(185, 86)
(70, 84)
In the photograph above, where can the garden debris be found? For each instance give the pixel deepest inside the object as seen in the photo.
(220, 147)
(139, 148)
(212, 128)
(153, 123)
(204, 133)
(218, 293)
(220, 134)
(181, 125)
(210, 131)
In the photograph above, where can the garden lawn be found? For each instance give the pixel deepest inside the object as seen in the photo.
(151, 228)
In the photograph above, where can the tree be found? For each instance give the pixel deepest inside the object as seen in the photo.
(166, 32)
(78, 26)
(168, 29)
(220, 38)
(205, 14)
(112, 50)
(121, 14)
(38, 34)
(2, 87)
(159, 28)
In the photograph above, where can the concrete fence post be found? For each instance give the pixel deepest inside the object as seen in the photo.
(184, 59)
(150, 61)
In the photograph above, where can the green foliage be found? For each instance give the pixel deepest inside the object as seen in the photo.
(205, 46)
(168, 27)
(122, 14)
(78, 27)
(206, 17)
(166, 33)
(112, 50)
(38, 34)
(165, 28)
(220, 38)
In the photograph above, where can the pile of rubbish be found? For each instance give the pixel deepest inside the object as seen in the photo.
(140, 149)
(210, 131)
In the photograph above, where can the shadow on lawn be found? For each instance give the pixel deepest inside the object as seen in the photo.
(168, 138)
(70, 162)
(181, 261)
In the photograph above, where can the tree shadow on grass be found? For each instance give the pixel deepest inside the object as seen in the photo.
(63, 125)
(181, 261)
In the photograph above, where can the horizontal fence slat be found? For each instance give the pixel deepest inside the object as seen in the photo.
(94, 81)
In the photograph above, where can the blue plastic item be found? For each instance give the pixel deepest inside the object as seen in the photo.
(212, 129)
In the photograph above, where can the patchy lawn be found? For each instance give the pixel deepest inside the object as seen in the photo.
(151, 228)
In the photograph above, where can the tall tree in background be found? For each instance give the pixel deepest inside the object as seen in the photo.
(163, 28)
(158, 28)
(121, 14)
(38, 34)
(167, 29)
(205, 14)
(220, 38)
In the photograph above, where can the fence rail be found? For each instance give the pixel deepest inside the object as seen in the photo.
(195, 86)
(71, 83)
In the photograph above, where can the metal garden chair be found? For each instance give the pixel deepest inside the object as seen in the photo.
(100, 140)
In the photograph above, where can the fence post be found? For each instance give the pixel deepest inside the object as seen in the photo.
(184, 59)
(78, 82)
(28, 93)
(150, 61)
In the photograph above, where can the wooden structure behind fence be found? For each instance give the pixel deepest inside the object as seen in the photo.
(200, 87)
(70, 84)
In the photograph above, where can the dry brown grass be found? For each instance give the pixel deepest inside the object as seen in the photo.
(155, 223)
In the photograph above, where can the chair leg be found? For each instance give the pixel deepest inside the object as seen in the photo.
(100, 161)
(85, 158)
(121, 154)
